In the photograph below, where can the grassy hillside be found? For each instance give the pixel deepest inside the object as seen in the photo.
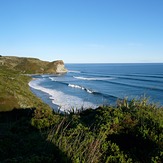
(14, 89)
(31, 65)
(15, 92)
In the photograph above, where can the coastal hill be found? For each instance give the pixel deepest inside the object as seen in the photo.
(32, 65)
(14, 89)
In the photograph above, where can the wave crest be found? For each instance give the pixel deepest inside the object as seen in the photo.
(72, 71)
(80, 87)
(52, 78)
(76, 86)
(99, 78)
(64, 101)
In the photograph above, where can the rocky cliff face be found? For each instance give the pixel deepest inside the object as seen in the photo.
(56, 67)
(60, 68)
(33, 65)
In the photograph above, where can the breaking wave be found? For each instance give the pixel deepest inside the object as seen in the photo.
(74, 71)
(99, 78)
(72, 85)
(93, 92)
(80, 87)
(64, 101)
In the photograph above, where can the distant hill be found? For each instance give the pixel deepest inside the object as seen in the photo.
(32, 65)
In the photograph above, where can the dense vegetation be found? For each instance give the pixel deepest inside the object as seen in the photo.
(130, 132)
(31, 132)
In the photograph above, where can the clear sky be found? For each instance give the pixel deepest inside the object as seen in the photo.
(83, 31)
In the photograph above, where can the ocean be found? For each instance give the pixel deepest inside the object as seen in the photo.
(92, 85)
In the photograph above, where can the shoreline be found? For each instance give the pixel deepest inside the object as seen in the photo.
(57, 100)
(36, 92)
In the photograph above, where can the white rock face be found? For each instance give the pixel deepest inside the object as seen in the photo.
(61, 69)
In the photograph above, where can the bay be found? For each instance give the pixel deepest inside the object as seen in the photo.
(92, 85)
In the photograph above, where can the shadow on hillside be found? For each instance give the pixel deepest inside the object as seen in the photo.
(137, 147)
(21, 142)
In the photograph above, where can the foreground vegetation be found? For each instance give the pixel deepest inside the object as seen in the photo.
(129, 132)
(31, 132)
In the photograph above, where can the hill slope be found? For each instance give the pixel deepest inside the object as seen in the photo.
(32, 65)
(15, 92)
(14, 89)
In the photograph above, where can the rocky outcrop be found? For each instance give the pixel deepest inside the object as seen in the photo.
(33, 65)
(56, 67)
(61, 68)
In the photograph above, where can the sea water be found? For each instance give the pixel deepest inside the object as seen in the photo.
(92, 85)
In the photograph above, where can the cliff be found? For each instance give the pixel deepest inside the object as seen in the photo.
(32, 65)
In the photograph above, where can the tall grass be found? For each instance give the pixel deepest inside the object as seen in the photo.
(100, 135)
(79, 144)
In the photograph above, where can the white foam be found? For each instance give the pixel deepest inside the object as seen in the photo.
(80, 87)
(76, 86)
(74, 71)
(52, 78)
(100, 78)
(44, 76)
(64, 101)
(89, 91)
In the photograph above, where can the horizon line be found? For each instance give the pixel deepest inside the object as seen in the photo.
(114, 62)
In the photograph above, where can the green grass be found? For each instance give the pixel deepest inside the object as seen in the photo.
(15, 92)
(31, 65)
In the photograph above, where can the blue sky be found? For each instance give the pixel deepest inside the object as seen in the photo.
(83, 31)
